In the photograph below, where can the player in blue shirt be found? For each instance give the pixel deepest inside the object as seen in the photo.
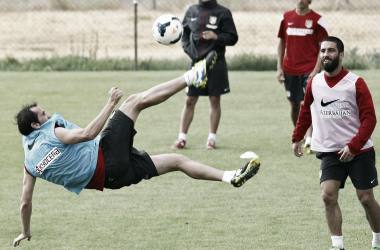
(77, 158)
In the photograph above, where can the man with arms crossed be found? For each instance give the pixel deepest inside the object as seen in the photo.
(61, 152)
(301, 33)
(340, 106)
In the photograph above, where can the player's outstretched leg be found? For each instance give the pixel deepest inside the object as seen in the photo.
(244, 173)
(197, 76)
(176, 162)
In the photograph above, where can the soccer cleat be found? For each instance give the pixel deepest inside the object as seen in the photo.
(210, 144)
(335, 248)
(202, 68)
(375, 248)
(179, 144)
(244, 173)
(306, 149)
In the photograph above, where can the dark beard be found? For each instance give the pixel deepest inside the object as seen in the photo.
(331, 66)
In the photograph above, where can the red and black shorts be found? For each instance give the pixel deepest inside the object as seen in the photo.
(124, 165)
(361, 169)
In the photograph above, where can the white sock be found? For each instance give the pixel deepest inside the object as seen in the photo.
(189, 77)
(182, 136)
(227, 176)
(212, 136)
(308, 141)
(376, 239)
(337, 241)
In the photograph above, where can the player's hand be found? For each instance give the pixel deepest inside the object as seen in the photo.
(297, 148)
(21, 237)
(346, 156)
(280, 76)
(115, 95)
(208, 34)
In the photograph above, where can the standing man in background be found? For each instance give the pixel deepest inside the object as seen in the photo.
(207, 26)
(301, 32)
(340, 106)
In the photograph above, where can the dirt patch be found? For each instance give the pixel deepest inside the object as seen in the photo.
(110, 34)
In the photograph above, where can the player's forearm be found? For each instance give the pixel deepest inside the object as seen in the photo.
(367, 117)
(26, 214)
(280, 54)
(93, 129)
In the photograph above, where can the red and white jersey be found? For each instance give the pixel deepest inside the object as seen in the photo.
(335, 114)
(302, 34)
(342, 113)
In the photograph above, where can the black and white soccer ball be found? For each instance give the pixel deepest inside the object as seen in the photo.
(167, 29)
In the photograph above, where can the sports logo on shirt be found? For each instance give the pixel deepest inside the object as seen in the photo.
(213, 20)
(30, 146)
(334, 113)
(309, 23)
(299, 32)
(334, 108)
(47, 160)
(324, 104)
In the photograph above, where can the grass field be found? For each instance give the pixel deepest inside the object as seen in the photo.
(280, 208)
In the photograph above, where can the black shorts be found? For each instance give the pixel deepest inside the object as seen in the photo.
(361, 169)
(295, 87)
(217, 83)
(124, 164)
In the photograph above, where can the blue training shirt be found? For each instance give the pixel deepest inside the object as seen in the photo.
(46, 157)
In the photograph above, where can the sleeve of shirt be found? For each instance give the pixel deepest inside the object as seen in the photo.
(304, 118)
(321, 29)
(187, 46)
(281, 31)
(27, 170)
(367, 117)
(186, 33)
(228, 36)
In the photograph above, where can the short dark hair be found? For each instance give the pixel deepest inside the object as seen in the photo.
(25, 118)
(337, 41)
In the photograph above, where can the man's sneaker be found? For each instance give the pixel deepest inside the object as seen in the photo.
(179, 144)
(202, 68)
(375, 248)
(244, 173)
(336, 248)
(210, 144)
(307, 149)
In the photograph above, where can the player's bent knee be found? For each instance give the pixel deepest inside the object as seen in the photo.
(328, 198)
(178, 160)
(366, 200)
(191, 101)
(132, 102)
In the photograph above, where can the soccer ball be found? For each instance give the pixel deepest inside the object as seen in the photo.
(167, 29)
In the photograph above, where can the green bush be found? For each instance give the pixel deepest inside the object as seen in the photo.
(244, 62)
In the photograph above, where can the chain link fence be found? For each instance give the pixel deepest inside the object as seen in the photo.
(106, 28)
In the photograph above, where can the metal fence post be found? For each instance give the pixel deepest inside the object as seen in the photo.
(136, 63)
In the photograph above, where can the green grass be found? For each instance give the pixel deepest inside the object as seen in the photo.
(280, 208)
(242, 62)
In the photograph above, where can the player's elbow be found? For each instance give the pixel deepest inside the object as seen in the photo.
(87, 136)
